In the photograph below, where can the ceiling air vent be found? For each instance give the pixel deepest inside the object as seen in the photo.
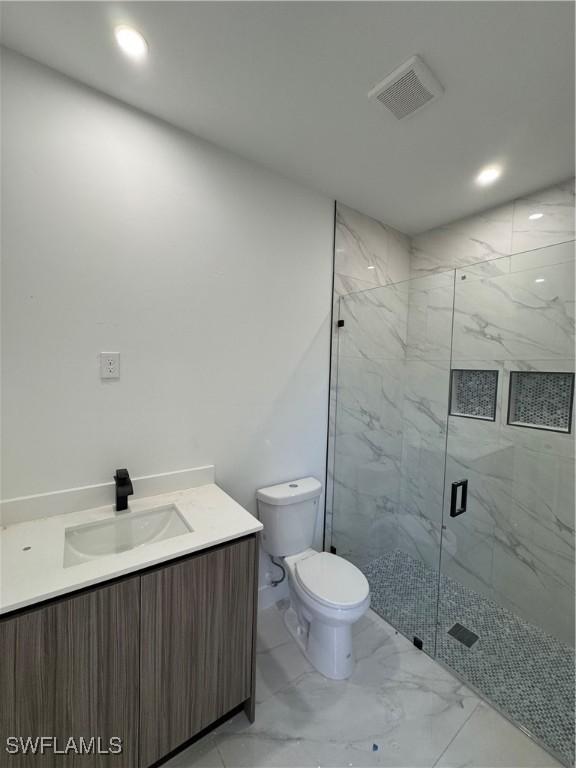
(409, 88)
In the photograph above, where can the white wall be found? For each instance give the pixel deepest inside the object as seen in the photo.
(210, 275)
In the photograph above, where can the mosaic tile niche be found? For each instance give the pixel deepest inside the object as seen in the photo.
(541, 399)
(473, 394)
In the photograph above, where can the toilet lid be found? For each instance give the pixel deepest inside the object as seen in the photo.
(332, 580)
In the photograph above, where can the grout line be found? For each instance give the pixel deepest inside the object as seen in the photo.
(456, 734)
(220, 756)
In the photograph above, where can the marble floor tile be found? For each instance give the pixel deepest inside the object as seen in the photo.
(271, 631)
(202, 754)
(279, 667)
(398, 709)
(488, 739)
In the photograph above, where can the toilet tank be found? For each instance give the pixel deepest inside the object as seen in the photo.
(288, 513)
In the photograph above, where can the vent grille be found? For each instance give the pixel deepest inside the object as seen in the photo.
(405, 96)
(406, 90)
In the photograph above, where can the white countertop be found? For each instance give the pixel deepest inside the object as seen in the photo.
(38, 573)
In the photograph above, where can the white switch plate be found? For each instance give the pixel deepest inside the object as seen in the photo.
(109, 365)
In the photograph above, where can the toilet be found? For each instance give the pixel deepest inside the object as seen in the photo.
(327, 593)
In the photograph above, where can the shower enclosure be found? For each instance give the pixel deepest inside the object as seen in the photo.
(454, 474)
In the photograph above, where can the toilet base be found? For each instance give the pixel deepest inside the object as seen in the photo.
(327, 647)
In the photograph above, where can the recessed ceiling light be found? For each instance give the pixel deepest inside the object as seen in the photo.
(488, 175)
(131, 42)
(540, 280)
(534, 216)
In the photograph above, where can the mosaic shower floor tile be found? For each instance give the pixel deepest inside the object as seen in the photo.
(527, 673)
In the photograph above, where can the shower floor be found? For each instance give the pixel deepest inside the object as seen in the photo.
(527, 673)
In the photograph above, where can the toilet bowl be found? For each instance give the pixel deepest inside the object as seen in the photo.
(327, 593)
(327, 596)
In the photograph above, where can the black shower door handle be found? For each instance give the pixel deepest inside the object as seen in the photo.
(456, 510)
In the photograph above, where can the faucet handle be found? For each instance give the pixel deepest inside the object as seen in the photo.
(123, 480)
(122, 475)
(123, 489)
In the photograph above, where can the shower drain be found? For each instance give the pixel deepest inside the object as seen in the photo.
(463, 635)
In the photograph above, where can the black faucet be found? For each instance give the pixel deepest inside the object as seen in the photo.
(123, 489)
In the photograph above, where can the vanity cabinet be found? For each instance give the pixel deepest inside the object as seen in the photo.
(153, 658)
(74, 672)
(196, 657)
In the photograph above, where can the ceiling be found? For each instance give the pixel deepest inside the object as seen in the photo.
(285, 84)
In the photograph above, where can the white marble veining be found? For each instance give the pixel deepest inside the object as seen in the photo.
(556, 225)
(429, 320)
(367, 254)
(32, 553)
(343, 285)
(466, 241)
(369, 394)
(399, 709)
(488, 739)
(514, 316)
(501, 231)
(393, 369)
(375, 323)
(367, 250)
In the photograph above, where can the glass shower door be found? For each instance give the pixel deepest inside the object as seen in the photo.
(506, 598)
(453, 474)
(393, 369)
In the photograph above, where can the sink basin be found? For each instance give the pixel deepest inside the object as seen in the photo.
(126, 531)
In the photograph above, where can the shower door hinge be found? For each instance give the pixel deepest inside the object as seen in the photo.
(418, 643)
(340, 323)
(332, 550)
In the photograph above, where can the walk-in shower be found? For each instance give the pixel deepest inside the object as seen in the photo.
(453, 473)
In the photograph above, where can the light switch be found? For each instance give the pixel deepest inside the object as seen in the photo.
(109, 365)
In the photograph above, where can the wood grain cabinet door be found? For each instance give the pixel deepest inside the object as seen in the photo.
(75, 669)
(7, 651)
(196, 645)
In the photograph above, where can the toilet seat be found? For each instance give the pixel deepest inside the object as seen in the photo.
(331, 580)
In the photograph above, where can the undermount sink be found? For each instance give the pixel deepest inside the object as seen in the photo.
(122, 533)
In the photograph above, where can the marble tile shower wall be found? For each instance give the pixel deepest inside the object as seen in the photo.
(367, 255)
(515, 545)
(424, 414)
(369, 423)
(498, 232)
(391, 370)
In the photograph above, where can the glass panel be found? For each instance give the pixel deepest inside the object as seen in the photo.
(393, 374)
(507, 571)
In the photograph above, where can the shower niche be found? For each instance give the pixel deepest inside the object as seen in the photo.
(473, 393)
(541, 400)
